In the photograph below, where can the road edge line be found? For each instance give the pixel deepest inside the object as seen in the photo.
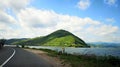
(8, 58)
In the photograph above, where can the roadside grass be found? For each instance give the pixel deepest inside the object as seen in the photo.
(85, 60)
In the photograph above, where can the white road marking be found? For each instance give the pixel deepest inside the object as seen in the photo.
(8, 58)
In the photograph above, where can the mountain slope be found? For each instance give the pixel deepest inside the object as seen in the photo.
(57, 38)
(11, 41)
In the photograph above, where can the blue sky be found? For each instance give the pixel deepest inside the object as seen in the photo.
(98, 9)
(91, 20)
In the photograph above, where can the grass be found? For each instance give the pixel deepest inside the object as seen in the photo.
(85, 60)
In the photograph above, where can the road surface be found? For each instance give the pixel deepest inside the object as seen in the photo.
(17, 57)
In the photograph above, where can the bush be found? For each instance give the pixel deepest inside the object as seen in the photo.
(114, 61)
(23, 46)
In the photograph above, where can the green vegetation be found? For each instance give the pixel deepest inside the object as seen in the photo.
(85, 60)
(2, 42)
(12, 41)
(57, 38)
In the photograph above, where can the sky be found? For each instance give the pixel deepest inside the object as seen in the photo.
(91, 20)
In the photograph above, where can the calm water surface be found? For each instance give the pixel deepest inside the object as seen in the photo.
(88, 51)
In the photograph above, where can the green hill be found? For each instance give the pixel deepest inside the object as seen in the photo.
(57, 38)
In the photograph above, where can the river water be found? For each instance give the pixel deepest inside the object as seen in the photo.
(88, 51)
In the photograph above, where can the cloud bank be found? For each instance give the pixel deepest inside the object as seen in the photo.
(32, 22)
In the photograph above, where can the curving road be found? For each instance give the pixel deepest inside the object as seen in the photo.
(21, 58)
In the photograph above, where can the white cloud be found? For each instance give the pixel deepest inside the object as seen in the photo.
(16, 5)
(37, 18)
(110, 2)
(110, 20)
(83, 4)
(102, 30)
(6, 18)
(7, 24)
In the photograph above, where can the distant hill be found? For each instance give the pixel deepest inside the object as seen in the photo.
(104, 44)
(11, 41)
(57, 38)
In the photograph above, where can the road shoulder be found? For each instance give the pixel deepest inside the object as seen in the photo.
(55, 61)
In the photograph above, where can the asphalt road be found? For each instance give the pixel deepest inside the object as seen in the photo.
(21, 58)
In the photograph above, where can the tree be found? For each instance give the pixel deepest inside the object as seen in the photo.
(2, 42)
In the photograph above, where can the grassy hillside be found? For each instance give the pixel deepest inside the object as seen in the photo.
(57, 38)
